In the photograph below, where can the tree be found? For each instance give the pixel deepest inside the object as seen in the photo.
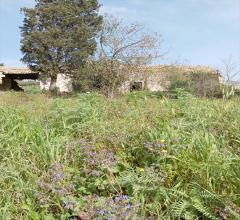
(205, 83)
(1, 64)
(123, 50)
(59, 35)
(231, 71)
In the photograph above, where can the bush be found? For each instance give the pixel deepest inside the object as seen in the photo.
(199, 84)
(237, 92)
(181, 84)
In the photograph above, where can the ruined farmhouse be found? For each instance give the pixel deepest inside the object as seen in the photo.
(10, 75)
(160, 77)
(152, 78)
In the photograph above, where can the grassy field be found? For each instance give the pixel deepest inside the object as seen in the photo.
(135, 157)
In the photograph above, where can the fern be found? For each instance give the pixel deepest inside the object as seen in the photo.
(204, 211)
(180, 208)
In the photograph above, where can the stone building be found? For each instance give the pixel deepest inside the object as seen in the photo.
(10, 75)
(63, 84)
(159, 78)
(152, 78)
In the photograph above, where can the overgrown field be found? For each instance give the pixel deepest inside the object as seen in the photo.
(135, 157)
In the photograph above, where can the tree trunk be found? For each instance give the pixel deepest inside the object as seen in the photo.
(53, 85)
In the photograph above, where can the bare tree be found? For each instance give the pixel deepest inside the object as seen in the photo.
(231, 71)
(123, 49)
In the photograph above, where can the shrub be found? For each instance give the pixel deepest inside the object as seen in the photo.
(181, 84)
(199, 84)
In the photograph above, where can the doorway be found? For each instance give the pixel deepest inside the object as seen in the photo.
(136, 86)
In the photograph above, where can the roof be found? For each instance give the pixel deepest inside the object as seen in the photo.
(183, 68)
(15, 70)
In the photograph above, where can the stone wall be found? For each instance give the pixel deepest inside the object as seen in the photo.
(63, 84)
(5, 84)
(159, 78)
(45, 84)
(149, 81)
(1, 77)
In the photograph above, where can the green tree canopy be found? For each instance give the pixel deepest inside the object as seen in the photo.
(59, 35)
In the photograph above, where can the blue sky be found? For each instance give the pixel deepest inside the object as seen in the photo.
(194, 31)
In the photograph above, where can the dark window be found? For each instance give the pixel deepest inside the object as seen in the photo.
(136, 86)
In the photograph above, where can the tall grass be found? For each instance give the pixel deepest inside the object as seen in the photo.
(136, 157)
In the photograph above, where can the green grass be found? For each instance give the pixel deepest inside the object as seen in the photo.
(30, 87)
(140, 156)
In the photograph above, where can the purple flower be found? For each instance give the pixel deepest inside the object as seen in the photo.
(61, 192)
(96, 173)
(117, 199)
(59, 176)
(101, 212)
(128, 206)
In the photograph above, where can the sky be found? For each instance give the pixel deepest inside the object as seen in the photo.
(196, 32)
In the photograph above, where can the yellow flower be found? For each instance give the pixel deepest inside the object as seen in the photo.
(141, 170)
(162, 141)
(164, 151)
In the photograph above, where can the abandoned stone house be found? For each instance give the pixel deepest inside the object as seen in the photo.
(9, 78)
(159, 78)
(152, 78)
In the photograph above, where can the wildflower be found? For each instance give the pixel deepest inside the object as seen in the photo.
(148, 145)
(117, 199)
(61, 192)
(164, 151)
(118, 207)
(59, 176)
(161, 145)
(103, 157)
(101, 212)
(56, 184)
(162, 141)
(141, 170)
(96, 173)
(69, 203)
(128, 206)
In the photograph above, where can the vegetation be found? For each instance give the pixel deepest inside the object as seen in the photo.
(231, 71)
(30, 87)
(58, 36)
(143, 155)
(123, 49)
(140, 156)
(198, 83)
